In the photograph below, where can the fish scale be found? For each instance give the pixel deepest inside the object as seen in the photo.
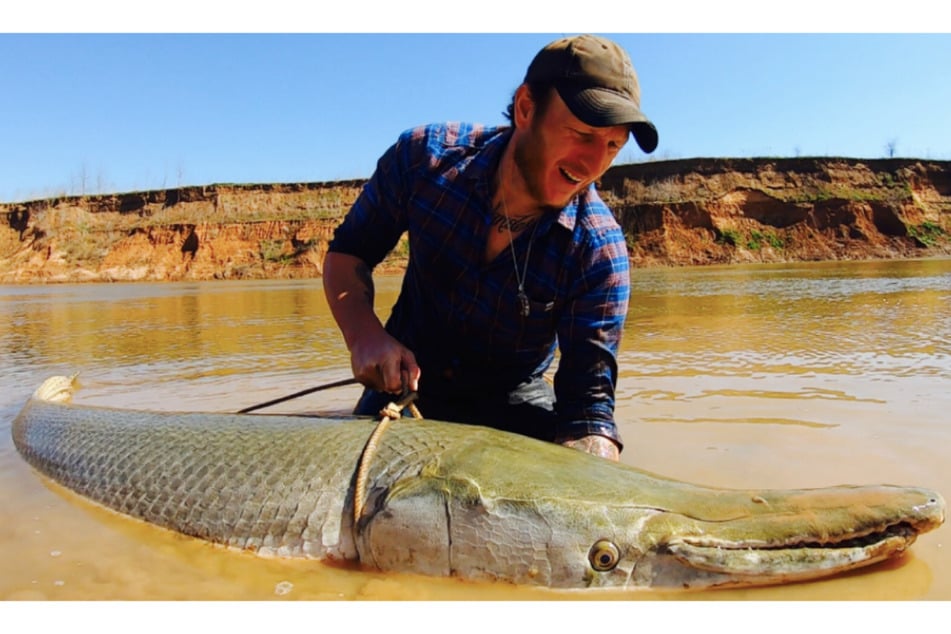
(188, 473)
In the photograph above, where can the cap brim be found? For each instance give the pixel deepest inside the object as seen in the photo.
(601, 108)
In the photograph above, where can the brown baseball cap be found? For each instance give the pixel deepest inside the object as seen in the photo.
(596, 80)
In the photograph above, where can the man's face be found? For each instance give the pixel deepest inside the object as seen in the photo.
(557, 154)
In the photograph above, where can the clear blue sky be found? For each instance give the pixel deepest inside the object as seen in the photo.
(115, 112)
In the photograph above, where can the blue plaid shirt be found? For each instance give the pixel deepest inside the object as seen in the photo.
(459, 315)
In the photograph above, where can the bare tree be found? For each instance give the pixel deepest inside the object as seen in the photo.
(890, 148)
(83, 178)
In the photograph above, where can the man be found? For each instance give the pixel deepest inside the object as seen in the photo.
(512, 254)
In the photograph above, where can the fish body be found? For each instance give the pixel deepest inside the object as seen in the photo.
(447, 499)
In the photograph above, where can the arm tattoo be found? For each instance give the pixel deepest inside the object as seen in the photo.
(366, 276)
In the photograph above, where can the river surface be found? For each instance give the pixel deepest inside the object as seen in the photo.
(799, 375)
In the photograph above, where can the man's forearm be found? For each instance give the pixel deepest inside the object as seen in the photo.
(377, 359)
(348, 286)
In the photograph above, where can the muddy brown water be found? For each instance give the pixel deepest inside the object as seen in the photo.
(799, 375)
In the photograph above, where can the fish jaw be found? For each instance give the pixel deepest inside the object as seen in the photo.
(789, 536)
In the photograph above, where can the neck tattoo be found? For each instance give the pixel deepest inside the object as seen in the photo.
(519, 222)
(502, 222)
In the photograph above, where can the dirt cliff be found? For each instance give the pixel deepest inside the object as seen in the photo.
(685, 212)
(705, 211)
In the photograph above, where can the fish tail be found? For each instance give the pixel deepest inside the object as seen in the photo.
(56, 389)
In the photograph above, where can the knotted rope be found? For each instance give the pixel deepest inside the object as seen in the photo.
(390, 413)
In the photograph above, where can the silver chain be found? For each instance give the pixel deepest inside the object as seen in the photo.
(524, 306)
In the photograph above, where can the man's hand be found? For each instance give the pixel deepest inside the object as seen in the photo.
(384, 364)
(377, 359)
(595, 445)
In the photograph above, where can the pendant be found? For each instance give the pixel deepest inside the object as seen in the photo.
(523, 303)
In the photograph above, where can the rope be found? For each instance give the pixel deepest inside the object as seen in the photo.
(311, 390)
(390, 413)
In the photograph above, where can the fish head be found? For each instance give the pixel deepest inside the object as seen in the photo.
(559, 518)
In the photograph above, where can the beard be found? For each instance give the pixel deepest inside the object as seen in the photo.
(528, 156)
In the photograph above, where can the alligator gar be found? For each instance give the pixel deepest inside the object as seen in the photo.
(454, 500)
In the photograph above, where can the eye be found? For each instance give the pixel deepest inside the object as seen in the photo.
(603, 556)
(581, 137)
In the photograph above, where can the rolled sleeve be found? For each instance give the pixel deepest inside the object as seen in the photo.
(589, 337)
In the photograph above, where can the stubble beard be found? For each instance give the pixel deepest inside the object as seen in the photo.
(530, 170)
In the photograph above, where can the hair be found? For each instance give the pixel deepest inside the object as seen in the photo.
(540, 92)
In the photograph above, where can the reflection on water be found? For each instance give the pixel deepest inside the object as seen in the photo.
(743, 376)
(193, 328)
(820, 318)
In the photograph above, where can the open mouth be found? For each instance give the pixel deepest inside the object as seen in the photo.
(572, 178)
(794, 559)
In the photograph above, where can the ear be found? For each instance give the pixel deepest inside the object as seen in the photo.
(524, 106)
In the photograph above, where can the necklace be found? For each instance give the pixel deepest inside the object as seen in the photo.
(524, 307)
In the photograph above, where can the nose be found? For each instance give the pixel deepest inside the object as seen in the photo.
(596, 156)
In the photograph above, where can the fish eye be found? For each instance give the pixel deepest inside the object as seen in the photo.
(604, 555)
